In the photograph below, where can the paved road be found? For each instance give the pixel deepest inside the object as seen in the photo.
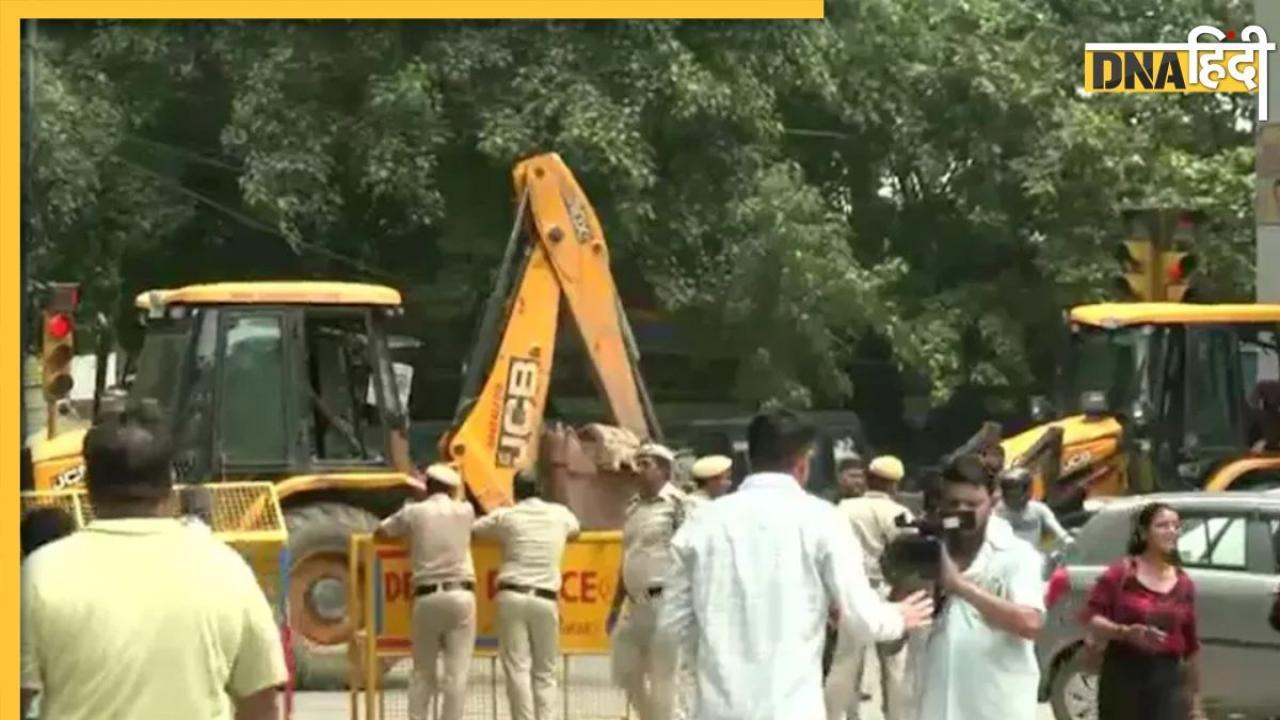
(592, 696)
(333, 706)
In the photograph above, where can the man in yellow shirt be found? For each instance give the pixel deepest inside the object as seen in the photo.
(137, 617)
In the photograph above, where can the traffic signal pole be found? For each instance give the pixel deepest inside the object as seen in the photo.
(28, 127)
(1266, 13)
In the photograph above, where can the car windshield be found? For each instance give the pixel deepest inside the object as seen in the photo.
(1111, 361)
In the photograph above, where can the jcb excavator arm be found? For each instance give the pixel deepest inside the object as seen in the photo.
(557, 252)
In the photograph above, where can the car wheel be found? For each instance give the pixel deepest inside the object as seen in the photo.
(1074, 695)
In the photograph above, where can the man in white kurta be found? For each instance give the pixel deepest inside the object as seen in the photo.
(753, 576)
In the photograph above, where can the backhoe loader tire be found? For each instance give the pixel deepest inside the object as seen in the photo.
(319, 537)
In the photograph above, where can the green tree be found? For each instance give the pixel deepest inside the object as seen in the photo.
(923, 172)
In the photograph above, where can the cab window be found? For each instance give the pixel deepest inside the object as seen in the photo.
(160, 364)
(252, 418)
(1213, 378)
(343, 391)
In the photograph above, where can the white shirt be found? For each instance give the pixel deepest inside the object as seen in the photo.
(973, 671)
(1031, 522)
(533, 535)
(754, 575)
(195, 523)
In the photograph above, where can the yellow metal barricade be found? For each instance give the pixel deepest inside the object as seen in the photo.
(245, 515)
(382, 601)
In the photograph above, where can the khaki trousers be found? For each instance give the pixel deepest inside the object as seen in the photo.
(529, 646)
(444, 624)
(843, 689)
(644, 668)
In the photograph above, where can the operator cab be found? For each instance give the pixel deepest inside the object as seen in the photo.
(270, 379)
(1181, 378)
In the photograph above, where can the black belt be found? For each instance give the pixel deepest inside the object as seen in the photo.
(441, 587)
(528, 590)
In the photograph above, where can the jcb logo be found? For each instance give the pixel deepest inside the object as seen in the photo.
(518, 420)
(577, 215)
(69, 477)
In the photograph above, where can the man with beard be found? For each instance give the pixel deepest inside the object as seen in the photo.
(980, 663)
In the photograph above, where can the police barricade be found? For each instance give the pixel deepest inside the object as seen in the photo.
(245, 515)
(382, 600)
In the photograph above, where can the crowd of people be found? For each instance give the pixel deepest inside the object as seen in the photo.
(760, 602)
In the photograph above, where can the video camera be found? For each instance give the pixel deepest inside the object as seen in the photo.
(919, 553)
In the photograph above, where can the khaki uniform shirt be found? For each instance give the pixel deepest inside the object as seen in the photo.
(872, 518)
(142, 618)
(698, 498)
(646, 539)
(533, 534)
(439, 532)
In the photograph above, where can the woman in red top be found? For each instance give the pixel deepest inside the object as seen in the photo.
(1143, 607)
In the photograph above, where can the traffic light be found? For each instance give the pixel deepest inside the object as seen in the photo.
(1178, 267)
(58, 347)
(1137, 258)
(1152, 270)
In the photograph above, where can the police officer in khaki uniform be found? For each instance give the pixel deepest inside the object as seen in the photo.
(532, 534)
(872, 517)
(646, 669)
(714, 476)
(438, 528)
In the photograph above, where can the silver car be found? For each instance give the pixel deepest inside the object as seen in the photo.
(1230, 546)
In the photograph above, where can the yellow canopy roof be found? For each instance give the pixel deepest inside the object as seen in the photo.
(1112, 314)
(266, 293)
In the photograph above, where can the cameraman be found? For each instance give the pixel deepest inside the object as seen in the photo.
(980, 663)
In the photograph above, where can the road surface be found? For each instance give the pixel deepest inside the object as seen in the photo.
(592, 696)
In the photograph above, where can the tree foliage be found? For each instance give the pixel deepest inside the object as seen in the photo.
(924, 172)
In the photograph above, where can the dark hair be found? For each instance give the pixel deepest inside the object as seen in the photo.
(125, 460)
(970, 470)
(525, 484)
(42, 525)
(1142, 526)
(777, 438)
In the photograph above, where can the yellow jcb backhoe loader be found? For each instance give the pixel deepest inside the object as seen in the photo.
(1156, 397)
(287, 382)
(292, 382)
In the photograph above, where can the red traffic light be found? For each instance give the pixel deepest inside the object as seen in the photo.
(1178, 270)
(59, 326)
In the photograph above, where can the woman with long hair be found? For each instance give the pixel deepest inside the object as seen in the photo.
(1143, 608)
